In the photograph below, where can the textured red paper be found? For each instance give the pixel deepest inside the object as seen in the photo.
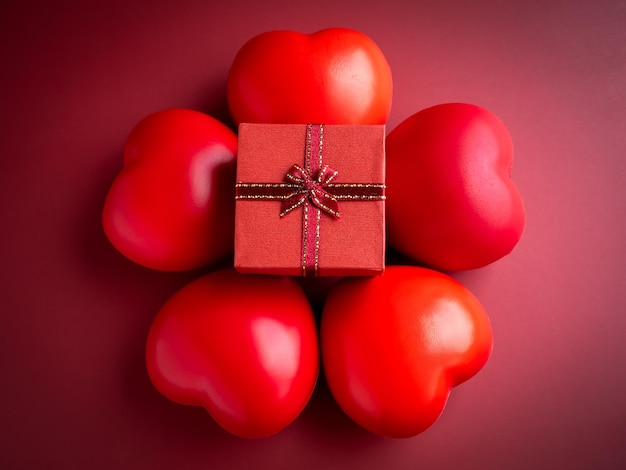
(351, 245)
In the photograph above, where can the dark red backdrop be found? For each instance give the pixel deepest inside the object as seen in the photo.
(76, 76)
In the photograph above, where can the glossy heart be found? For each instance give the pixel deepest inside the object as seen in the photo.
(451, 202)
(394, 345)
(172, 205)
(333, 76)
(243, 347)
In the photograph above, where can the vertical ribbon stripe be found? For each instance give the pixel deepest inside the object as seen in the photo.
(311, 215)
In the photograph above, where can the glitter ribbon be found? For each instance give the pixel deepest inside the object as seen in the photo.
(311, 188)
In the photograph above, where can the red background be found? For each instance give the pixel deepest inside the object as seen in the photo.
(76, 76)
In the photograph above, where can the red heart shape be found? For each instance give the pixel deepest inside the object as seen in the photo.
(172, 205)
(333, 76)
(394, 345)
(243, 347)
(451, 202)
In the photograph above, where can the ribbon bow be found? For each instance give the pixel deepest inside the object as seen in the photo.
(310, 187)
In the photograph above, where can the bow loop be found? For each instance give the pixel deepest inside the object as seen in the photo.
(310, 187)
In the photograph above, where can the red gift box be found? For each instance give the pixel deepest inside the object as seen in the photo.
(310, 200)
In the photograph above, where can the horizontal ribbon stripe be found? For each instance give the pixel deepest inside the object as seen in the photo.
(266, 191)
(340, 191)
